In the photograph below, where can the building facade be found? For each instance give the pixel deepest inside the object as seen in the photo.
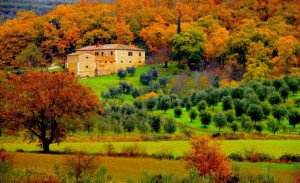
(99, 60)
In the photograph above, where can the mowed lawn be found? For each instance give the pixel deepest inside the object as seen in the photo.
(275, 148)
(122, 168)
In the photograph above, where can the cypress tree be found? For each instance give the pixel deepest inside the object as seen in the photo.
(178, 26)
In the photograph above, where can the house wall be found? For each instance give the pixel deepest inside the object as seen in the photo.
(123, 60)
(110, 62)
(72, 64)
(87, 65)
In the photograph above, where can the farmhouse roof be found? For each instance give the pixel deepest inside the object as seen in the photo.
(76, 54)
(109, 47)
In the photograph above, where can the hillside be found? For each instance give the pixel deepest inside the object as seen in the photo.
(9, 8)
(243, 40)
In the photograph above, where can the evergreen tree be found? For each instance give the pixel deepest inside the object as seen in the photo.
(178, 26)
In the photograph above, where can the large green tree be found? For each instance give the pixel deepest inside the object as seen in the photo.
(190, 45)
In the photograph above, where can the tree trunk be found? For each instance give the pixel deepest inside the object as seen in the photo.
(46, 146)
(166, 64)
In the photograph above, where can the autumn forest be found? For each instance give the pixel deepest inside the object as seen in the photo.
(253, 39)
(150, 91)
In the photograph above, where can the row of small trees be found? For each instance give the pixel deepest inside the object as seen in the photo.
(252, 99)
(127, 118)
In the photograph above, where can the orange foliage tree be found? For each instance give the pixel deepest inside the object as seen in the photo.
(207, 157)
(44, 104)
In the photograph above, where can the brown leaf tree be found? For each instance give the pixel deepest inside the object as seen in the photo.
(44, 104)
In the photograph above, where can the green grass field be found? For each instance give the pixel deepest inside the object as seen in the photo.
(122, 168)
(273, 147)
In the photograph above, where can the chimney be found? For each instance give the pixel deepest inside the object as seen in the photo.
(97, 44)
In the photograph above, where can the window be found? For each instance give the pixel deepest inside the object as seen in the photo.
(130, 54)
(129, 61)
(121, 61)
(99, 62)
(140, 53)
(102, 53)
(97, 53)
(86, 57)
(86, 66)
(112, 53)
(106, 62)
(140, 61)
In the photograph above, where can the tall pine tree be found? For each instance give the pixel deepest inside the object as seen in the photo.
(178, 26)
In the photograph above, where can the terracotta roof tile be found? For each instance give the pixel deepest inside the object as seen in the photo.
(110, 47)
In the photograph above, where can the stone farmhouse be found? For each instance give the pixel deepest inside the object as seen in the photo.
(99, 60)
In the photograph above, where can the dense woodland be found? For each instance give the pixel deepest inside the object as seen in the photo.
(9, 8)
(252, 39)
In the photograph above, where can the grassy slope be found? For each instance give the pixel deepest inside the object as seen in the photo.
(273, 147)
(122, 168)
(99, 84)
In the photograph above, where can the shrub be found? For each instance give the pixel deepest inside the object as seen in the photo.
(144, 127)
(122, 73)
(163, 83)
(188, 105)
(165, 103)
(234, 126)
(205, 118)
(230, 116)
(217, 164)
(293, 85)
(237, 93)
(106, 95)
(255, 112)
(80, 164)
(170, 125)
(133, 150)
(253, 156)
(163, 154)
(227, 103)
(220, 120)
(131, 70)
(297, 102)
(262, 92)
(125, 87)
(102, 175)
(145, 78)
(193, 114)
(177, 112)
(212, 98)
(273, 126)
(155, 123)
(266, 107)
(153, 72)
(235, 156)
(135, 93)
(274, 98)
(246, 123)
(239, 107)
(201, 105)
(290, 158)
(103, 125)
(259, 127)
(284, 92)
(151, 103)
(279, 112)
(128, 109)
(277, 83)
(138, 104)
(294, 117)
